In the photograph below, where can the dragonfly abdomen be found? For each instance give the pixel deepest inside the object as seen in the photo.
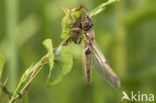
(88, 66)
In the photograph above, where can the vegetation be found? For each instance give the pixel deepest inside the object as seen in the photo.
(125, 31)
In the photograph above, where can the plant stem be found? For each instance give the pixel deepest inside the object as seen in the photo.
(120, 51)
(34, 73)
(24, 90)
(101, 7)
(5, 90)
(11, 19)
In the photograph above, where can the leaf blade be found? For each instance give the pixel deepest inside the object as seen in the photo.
(63, 62)
(48, 45)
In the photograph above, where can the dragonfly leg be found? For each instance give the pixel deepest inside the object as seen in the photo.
(80, 40)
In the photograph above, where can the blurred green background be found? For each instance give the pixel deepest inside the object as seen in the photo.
(125, 31)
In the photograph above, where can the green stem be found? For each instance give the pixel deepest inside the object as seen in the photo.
(15, 93)
(25, 88)
(101, 8)
(120, 52)
(11, 19)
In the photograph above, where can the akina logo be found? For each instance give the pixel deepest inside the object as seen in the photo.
(139, 97)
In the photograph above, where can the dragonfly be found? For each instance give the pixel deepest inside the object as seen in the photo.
(91, 52)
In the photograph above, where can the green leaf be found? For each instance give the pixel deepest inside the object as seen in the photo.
(70, 17)
(1, 65)
(67, 60)
(66, 26)
(66, 11)
(48, 45)
(101, 7)
(63, 62)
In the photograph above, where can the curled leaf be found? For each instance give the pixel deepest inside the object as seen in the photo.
(63, 62)
(70, 17)
(48, 45)
(66, 11)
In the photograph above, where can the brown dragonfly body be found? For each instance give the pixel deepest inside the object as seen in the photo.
(83, 27)
(91, 50)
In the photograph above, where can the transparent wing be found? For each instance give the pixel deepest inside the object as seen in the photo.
(102, 67)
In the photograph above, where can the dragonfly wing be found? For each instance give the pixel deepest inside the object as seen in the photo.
(103, 68)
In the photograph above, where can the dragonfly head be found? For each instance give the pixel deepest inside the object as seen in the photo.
(86, 22)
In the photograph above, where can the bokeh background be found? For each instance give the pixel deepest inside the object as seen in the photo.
(125, 31)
